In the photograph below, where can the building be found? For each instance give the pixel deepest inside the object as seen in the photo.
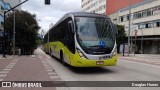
(5, 5)
(146, 17)
(115, 5)
(95, 6)
(105, 6)
(13, 3)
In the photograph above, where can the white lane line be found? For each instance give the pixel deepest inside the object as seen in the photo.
(4, 72)
(49, 70)
(48, 67)
(12, 63)
(9, 67)
(6, 69)
(2, 75)
(52, 73)
(54, 77)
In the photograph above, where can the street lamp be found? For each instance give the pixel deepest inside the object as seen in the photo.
(14, 34)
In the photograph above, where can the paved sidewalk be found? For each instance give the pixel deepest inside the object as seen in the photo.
(27, 68)
(153, 59)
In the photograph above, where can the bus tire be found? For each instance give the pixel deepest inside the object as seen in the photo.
(50, 52)
(62, 59)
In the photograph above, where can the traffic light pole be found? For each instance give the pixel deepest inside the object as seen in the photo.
(4, 36)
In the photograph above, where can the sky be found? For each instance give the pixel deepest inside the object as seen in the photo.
(47, 14)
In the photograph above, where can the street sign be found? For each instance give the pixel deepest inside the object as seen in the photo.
(133, 27)
(135, 32)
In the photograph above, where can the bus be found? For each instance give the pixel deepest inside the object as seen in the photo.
(82, 39)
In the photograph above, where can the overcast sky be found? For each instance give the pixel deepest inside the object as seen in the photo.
(47, 14)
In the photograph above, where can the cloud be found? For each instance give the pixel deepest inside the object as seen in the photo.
(48, 14)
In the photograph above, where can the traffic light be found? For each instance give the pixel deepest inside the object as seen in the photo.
(47, 2)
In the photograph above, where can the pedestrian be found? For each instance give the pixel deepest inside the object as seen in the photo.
(19, 51)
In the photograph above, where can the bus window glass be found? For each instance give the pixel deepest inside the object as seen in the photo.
(95, 32)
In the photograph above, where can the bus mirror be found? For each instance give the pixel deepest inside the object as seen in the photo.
(70, 26)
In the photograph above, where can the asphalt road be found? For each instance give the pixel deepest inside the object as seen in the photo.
(123, 71)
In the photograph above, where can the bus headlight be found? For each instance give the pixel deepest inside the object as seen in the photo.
(114, 53)
(81, 54)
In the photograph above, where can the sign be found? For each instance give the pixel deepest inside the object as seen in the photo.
(133, 27)
(135, 32)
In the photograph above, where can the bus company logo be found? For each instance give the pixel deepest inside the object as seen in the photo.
(6, 84)
(103, 57)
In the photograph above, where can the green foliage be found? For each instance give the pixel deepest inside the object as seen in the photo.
(26, 28)
(121, 37)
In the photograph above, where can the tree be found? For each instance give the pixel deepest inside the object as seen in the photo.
(26, 31)
(121, 37)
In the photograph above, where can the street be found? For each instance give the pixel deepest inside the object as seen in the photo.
(42, 67)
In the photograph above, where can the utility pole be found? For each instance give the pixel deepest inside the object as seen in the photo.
(129, 27)
(142, 43)
(14, 34)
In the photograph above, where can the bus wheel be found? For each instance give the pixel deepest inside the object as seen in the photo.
(62, 59)
(50, 52)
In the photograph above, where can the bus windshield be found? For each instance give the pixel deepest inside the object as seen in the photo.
(95, 32)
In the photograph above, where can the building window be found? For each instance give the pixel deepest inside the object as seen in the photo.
(158, 24)
(121, 19)
(149, 12)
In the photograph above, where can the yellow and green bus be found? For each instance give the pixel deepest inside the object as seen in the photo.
(83, 39)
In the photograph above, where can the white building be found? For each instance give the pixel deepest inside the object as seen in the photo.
(146, 15)
(95, 6)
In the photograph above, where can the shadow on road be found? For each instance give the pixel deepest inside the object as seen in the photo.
(90, 70)
(86, 70)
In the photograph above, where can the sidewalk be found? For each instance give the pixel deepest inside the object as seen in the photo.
(8, 56)
(143, 58)
(27, 68)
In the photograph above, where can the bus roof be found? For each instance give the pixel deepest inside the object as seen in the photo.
(81, 14)
(86, 14)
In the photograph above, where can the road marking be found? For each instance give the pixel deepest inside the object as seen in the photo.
(6, 69)
(54, 77)
(52, 73)
(49, 70)
(2, 75)
(4, 72)
(48, 67)
(9, 67)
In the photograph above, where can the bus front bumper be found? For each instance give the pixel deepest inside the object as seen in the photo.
(94, 63)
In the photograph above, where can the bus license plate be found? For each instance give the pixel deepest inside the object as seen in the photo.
(100, 62)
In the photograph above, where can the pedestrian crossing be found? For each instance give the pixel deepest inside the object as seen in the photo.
(7, 69)
(49, 69)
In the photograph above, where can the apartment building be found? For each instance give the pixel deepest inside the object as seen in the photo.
(94, 6)
(146, 16)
